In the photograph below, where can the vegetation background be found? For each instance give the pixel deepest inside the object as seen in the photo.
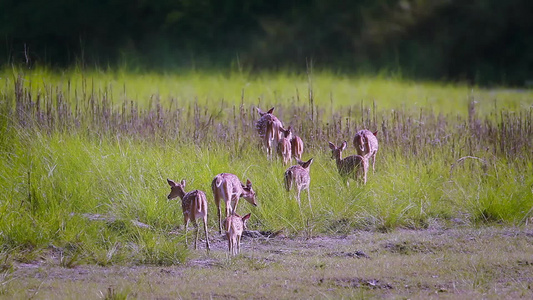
(102, 101)
(480, 41)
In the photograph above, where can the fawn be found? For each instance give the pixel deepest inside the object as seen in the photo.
(298, 175)
(228, 187)
(351, 165)
(268, 127)
(284, 145)
(297, 146)
(194, 206)
(366, 144)
(234, 226)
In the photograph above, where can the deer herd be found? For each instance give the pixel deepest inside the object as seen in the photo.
(287, 145)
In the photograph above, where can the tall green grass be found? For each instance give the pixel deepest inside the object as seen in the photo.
(79, 167)
(327, 89)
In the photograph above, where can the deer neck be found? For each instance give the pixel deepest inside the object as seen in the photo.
(338, 160)
(181, 193)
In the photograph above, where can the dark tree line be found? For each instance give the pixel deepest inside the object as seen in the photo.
(479, 41)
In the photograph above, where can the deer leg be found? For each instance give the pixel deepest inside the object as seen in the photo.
(236, 202)
(230, 248)
(217, 202)
(206, 234)
(229, 210)
(309, 199)
(373, 161)
(365, 169)
(298, 197)
(195, 223)
(238, 244)
(186, 228)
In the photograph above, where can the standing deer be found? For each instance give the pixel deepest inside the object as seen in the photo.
(229, 187)
(284, 145)
(297, 146)
(234, 226)
(194, 206)
(268, 128)
(366, 144)
(298, 175)
(351, 165)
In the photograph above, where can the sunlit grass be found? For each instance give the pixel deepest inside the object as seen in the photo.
(55, 177)
(328, 89)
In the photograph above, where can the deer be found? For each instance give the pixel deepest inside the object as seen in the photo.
(234, 226)
(284, 145)
(297, 146)
(228, 187)
(352, 165)
(298, 176)
(366, 144)
(268, 126)
(194, 206)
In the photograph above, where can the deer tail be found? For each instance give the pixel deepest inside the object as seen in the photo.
(200, 200)
(217, 181)
(215, 185)
(288, 180)
(269, 132)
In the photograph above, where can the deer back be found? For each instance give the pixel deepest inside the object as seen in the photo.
(298, 174)
(284, 149)
(227, 182)
(234, 225)
(350, 164)
(297, 146)
(194, 204)
(231, 183)
(268, 126)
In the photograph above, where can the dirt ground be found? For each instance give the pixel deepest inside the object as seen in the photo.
(488, 262)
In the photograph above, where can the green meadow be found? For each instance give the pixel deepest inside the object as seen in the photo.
(85, 156)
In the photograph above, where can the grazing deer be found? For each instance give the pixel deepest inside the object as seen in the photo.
(234, 226)
(284, 145)
(351, 165)
(194, 206)
(366, 144)
(298, 175)
(229, 187)
(268, 128)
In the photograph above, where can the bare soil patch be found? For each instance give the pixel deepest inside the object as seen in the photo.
(453, 263)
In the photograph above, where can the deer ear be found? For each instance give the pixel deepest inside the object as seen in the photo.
(343, 146)
(259, 111)
(307, 163)
(171, 182)
(375, 133)
(245, 218)
(248, 183)
(331, 146)
(183, 183)
(270, 110)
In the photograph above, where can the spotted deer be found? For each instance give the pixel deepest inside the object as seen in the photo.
(297, 146)
(228, 187)
(268, 126)
(352, 165)
(366, 144)
(234, 226)
(284, 145)
(298, 176)
(194, 206)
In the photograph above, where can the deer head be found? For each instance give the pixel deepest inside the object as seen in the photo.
(176, 189)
